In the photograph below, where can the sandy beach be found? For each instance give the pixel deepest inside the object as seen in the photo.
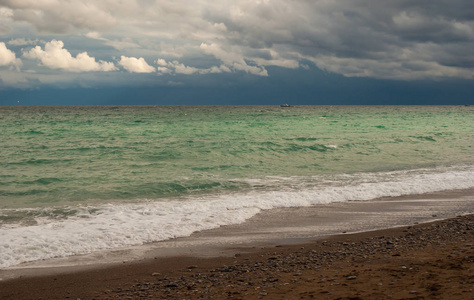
(428, 254)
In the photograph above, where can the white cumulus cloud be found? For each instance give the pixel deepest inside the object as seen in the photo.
(180, 68)
(136, 65)
(8, 57)
(175, 67)
(233, 58)
(54, 56)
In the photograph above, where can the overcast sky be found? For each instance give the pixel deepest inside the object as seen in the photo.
(230, 52)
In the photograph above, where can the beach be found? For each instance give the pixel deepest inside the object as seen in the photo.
(236, 149)
(419, 258)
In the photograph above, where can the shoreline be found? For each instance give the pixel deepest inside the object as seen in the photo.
(426, 261)
(269, 227)
(91, 281)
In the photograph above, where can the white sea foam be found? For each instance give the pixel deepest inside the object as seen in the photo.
(113, 226)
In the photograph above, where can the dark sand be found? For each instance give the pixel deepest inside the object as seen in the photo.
(432, 260)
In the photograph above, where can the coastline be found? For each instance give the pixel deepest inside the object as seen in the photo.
(159, 262)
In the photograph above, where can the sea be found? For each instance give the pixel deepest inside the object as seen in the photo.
(81, 179)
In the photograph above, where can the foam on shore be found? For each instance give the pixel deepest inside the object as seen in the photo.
(103, 227)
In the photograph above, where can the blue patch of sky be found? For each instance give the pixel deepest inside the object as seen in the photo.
(298, 87)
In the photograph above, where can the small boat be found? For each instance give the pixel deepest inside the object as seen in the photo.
(285, 105)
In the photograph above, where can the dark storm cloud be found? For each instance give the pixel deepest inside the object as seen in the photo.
(417, 39)
(399, 39)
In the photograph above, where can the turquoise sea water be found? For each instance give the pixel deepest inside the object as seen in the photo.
(60, 166)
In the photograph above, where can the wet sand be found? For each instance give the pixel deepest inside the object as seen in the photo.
(275, 257)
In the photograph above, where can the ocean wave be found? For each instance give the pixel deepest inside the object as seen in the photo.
(87, 229)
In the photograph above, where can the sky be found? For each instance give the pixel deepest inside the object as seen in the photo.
(192, 52)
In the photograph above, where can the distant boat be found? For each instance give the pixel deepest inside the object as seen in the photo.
(285, 105)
